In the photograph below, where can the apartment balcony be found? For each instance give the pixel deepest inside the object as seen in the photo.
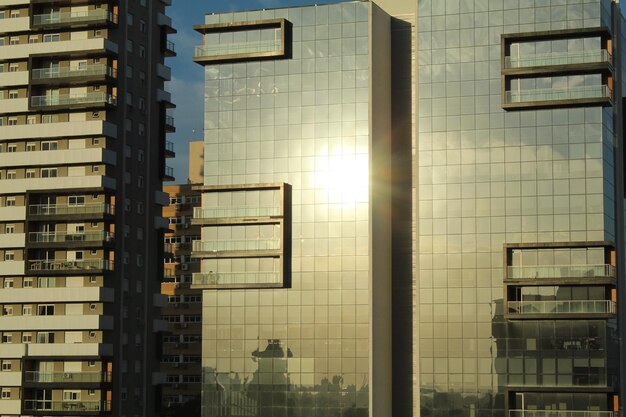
(228, 215)
(47, 212)
(64, 239)
(16, 78)
(559, 413)
(561, 309)
(58, 295)
(89, 100)
(559, 59)
(79, 407)
(13, 105)
(169, 49)
(66, 266)
(14, 24)
(551, 97)
(169, 174)
(36, 378)
(560, 274)
(169, 124)
(59, 130)
(95, 17)
(250, 248)
(236, 280)
(63, 48)
(93, 73)
(169, 149)
(238, 50)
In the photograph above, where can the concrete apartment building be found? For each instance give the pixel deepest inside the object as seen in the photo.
(83, 123)
(414, 207)
(181, 346)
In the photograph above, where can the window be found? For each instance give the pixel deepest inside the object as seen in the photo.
(46, 282)
(48, 172)
(9, 256)
(141, 129)
(14, 40)
(45, 337)
(95, 141)
(140, 207)
(95, 115)
(73, 395)
(142, 25)
(52, 37)
(93, 279)
(6, 365)
(129, 19)
(30, 173)
(129, 71)
(7, 310)
(91, 392)
(12, 121)
(9, 229)
(10, 202)
(6, 393)
(31, 120)
(11, 175)
(91, 363)
(13, 94)
(28, 283)
(7, 338)
(49, 146)
(12, 148)
(129, 45)
(142, 104)
(140, 155)
(8, 283)
(45, 310)
(142, 51)
(27, 338)
(140, 181)
(33, 39)
(27, 310)
(14, 67)
(142, 78)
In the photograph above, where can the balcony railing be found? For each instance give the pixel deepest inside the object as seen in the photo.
(170, 46)
(235, 245)
(219, 212)
(169, 146)
(558, 58)
(60, 209)
(237, 48)
(56, 18)
(169, 120)
(66, 377)
(549, 94)
(559, 413)
(49, 405)
(69, 265)
(559, 271)
(59, 237)
(58, 73)
(169, 172)
(562, 307)
(236, 278)
(73, 99)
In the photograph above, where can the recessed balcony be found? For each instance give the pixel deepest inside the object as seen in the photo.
(73, 19)
(69, 266)
(236, 279)
(561, 307)
(66, 377)
(237, 48)
(89, 73)
(560, 271)
(555, 97)
(73, 100)
(169, 124)
(72, 239)
(558, 58)
(85, 210)
(66, 406)
(236, 245)
(202, 215)
(559, 413)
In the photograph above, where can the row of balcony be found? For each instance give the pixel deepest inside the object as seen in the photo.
(67, 377)
(226, 212)
(73, 72)
(60, 265)
(235, 245)
(64, 209)
(64, 237)
(70, 18)
(558, 58)
(560, 271)
(236, 278)
(562, 307)
(237, 48)
(557, 94)
(69, 406)
(73, 99)
(560, 413)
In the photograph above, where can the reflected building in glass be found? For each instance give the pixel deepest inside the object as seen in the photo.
(413, 207)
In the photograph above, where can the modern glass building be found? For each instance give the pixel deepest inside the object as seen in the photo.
(415, 208)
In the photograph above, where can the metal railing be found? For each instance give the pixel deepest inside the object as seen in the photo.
(169, 120)
(49, 405)
(69, 265)
(72, 99)
(169, 146)
(562, 307)
(559, 413)
(560, 271)
(61, 209)
(69, 377)
(548, 94)
(235, 245)
(238, 48)
(218, 212)
(64, 237)
(236, 278)
(90, 71)
(170, 46)
(558, 58)
(169, 171)
(74, 17)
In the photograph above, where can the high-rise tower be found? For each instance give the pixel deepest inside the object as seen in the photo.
(82, 158)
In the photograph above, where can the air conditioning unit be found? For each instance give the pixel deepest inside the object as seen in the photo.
(184, 267)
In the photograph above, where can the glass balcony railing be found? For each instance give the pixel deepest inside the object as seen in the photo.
(170, 46)
(169, 120)
(208, 51)
(69, 265)
(169, 172)
(68, 377)
(58, 237)
(169, 146)
(559, 413)
(59, 73)
(236, 278)
(559, 271)
(235, 245)
(219, 212)
(61, 210)
(562, 307)
(549, 94)
(49, 405)
(70, 99)
(558, 58)
(87, 16)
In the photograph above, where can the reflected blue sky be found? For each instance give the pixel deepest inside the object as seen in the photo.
(187, 80)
